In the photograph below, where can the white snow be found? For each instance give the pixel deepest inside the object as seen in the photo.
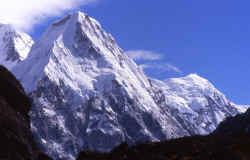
(76, 62)
(77, 52)
(14, 46)
(197, 101)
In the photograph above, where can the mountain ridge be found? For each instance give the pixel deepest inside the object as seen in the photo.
(14, 45)
(88, 94)
(82, 67)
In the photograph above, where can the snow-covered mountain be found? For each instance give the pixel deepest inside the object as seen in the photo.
(88, 94)
(14, 45)
(196, 103)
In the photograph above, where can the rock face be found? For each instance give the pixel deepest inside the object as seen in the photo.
(87, 94)
(14, 46)
(15, 133)
(240, 124)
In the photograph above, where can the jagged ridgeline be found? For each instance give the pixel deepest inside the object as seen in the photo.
(88, 94)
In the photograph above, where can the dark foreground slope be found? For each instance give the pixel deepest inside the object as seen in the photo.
(239, 124)
(16, 141)
(189, 148)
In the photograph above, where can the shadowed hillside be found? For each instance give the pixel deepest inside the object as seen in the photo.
(189, 148)
(239, 124)
(15, 135)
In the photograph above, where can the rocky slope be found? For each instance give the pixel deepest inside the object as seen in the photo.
(189, 148)
(14, 46)
(15, 133)
(87, 94)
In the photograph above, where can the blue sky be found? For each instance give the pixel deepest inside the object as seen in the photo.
(210, 38)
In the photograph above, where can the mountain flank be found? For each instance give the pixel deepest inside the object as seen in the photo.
(16, 139)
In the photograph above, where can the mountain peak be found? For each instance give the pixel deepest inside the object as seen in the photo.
(69, 22)
(76, 43)
(78, 28)
(193, 81)
(14, 45)
(195, 90)
(76, 17)
(194, 76)
(88, 94)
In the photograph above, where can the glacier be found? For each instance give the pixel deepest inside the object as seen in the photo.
(87, 94)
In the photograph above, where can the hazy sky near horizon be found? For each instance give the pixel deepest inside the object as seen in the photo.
(176, 38)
